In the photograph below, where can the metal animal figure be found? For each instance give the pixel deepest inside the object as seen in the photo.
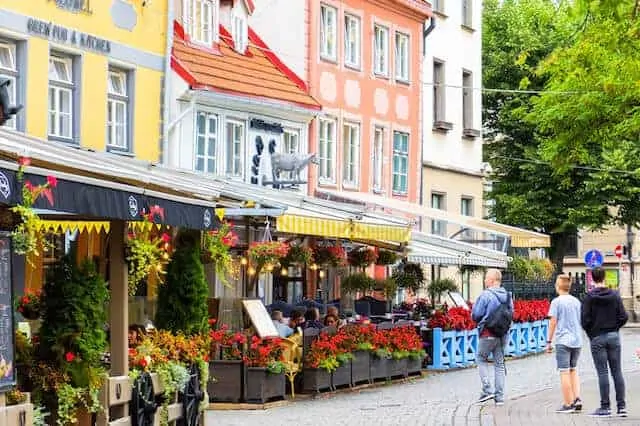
(290, 163)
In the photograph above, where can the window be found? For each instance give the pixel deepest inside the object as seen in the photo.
(466, 206)
(438, 5)
(352, 41)
(200, 20)
(240, 34)
(400, 162)
(351, 144)
(235, 148)
(467, 14)
(290, 145)
(402, 57)
(9, 70)
(467, 100)
(438, 91)
(381, 50)
(378, 143)
(572, 246)
(327, 151)
(328, 32)
(206, 143)
(61, 97)
(438, 227)
(117, 111)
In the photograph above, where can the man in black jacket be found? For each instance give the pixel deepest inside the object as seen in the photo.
(602, 317)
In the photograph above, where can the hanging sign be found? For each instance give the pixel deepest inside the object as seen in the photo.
(7, 349)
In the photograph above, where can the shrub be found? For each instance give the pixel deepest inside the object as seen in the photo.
(357, 282)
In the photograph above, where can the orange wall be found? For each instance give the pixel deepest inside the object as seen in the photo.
(361, 96)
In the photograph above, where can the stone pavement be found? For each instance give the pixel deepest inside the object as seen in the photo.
(443, 399)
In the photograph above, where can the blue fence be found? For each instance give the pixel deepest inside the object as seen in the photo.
(458, 349)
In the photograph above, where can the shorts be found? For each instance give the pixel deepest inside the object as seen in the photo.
(566, 357)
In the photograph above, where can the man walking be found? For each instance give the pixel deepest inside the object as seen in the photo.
(602, 317)
(493, 311)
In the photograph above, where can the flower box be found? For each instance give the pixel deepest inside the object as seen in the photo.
(263, 386)
(227, 381)
(360, 367)
(378, 368)
(414, 366)
(315, 379)
(341, 376)
(397, 368)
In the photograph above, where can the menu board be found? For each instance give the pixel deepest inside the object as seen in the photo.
(260, 318)
(458, 300)
(7, 350)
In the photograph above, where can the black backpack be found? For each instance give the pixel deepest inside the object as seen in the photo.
(499, 320)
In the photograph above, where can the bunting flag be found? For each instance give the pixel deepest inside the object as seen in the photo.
(60, 226)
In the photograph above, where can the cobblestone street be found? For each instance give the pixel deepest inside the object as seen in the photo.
(447, 399)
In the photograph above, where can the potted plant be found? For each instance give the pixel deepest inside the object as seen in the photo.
(265, 370)
(439, 286)
(386, 257)
(216, 249)
(226, 367)
(362, 257)
(362, 336)
(380, 356)
(334, 256)
(409, 344)
(319, 362)
(409, 275)
(266, 253)
(29, 305)
(355, 283)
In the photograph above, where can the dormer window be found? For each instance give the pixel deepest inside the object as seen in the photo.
(200, 20)
(240, 34)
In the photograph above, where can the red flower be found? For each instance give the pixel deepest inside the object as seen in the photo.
(143, 362)
(52, 181)
(212, 321)
(166, 237)
(29, 186)
(69, 356)
(24, 161)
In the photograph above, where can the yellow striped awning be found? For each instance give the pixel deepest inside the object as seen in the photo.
(82, 226)
(348, 229)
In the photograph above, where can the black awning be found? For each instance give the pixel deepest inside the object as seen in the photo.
(107, 203)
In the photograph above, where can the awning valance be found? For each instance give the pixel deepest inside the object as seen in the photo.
(83, 226)
(429, 255)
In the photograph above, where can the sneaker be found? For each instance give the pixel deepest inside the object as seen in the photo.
(499, 403)
(622, 412)
(577, 404)
(601, 412)
(485, 398)
(566, 409)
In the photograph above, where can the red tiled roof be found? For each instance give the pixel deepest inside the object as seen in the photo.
(257, 73)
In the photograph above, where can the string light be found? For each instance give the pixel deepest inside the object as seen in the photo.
(321, 274)
(251, 271)
(269, 267)
(284, 272)
(243, 261)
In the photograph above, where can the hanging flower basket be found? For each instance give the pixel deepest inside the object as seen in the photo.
(386, 257)
(217, 245)
(298, 255)
(362, 258)
(267, 252)
(330, 256)
(29, 305)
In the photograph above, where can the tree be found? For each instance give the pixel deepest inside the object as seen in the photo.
(595, 127)
(517, 36)
(182, 299)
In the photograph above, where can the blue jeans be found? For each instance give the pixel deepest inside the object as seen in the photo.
(605, 350)
(492, 346)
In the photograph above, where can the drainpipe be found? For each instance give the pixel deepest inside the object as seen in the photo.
(166, 101)
(425, 33)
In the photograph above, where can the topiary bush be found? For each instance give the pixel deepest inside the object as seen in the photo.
(182, 300)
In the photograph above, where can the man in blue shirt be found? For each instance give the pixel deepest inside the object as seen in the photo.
(283, 329)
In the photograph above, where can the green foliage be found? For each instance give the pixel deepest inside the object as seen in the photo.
(524, 269)
(182, 300)
(386, 257)
(357, 282)
(409, 275)
(387, 285)
(437, 287)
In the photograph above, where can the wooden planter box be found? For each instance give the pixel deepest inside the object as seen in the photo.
(263, 386)
(397, 368)
(360, 367)
(226, 383)
(414, 366)
(378, 368)
(341, 376)
(315, 379)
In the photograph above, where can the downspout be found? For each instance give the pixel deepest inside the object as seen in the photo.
(166, 93)
(425, 33)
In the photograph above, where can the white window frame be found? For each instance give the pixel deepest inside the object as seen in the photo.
(351, 154)
(439, 91)
(439, 227)
(400, 154)
(402, 57)
(10, 72)
(208, 135)
(381, 50)
(232, 141)
(467, 100)
(467, 13)
(378, 158)
(328, 32)
(200, 19)
(438, 5)
(240, 34)
(352, 47)
(117, 100)
(290, 145)
(327, 150)
(467, 233)
(59, 87)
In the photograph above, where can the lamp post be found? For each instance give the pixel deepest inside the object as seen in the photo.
(630, 237)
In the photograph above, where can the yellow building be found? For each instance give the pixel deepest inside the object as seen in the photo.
(88, 72)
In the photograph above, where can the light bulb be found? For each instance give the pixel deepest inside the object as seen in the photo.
(251, 271)
(284, 272)
(321, 274)
(314, 267)
(269, 268)
(243, 261)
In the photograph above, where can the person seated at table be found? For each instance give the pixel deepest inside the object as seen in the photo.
(312, 319)
(333, 310)
(331, 320)
(136, 334)
(296, 320)
(283, 329)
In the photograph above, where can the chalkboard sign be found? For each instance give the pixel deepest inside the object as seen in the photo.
(7, 350)
(260, 318)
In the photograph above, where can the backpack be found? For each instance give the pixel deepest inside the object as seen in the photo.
(499, 320)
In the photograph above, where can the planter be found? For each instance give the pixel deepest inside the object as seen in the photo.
(227, 381)
(30, 314)
(341, 376)
(414, 366)
(263, 386)
(378, 368)
(315, 379)
(360, 367)
(397, 368)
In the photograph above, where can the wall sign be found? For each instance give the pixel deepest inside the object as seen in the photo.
(256, 123)
(61, 34)
(75, 6)
(7, 351)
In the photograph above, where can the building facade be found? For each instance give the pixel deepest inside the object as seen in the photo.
(88, 73)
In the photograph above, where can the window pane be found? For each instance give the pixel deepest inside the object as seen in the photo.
(211, 166)
(7, 57)
(121, 113)
(211, 146)
(202, 123)
(65, 101)
(200, 164)
(200, 145)
(65, 125)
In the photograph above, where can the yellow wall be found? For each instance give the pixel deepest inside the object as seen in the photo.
(147, 37)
